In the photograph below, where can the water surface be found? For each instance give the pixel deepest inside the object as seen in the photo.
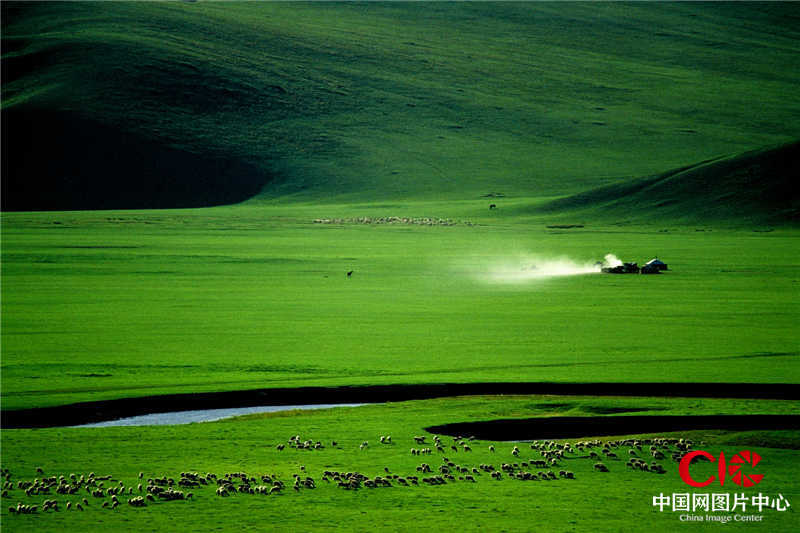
(206, 415)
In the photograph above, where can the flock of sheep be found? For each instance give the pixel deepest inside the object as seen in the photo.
(81, 492)
(75, 491)
(420, 221)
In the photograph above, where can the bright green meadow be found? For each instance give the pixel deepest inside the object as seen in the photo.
(187, 184)
(110, 304)
(103, 305)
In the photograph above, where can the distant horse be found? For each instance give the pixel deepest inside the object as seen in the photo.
(492, 206)
(349, 274)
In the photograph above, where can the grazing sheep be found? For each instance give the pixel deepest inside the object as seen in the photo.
(23, 509)
(600, 467)
(137, 501)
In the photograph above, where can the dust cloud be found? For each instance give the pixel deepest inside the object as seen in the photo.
(531, 268)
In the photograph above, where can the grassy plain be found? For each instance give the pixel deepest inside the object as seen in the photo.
(102, 305)
(109, 304)
(620, 500)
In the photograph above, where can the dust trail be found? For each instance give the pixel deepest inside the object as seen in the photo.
(524, 268)
(536, 268)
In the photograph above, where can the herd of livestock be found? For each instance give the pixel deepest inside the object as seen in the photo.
(542, 461)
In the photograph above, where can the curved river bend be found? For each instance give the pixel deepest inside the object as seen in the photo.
(205, 415)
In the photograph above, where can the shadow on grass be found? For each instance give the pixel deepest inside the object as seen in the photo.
(90, 412)
(567, 427)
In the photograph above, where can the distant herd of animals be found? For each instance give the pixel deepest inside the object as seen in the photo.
(543, 461)
(419, 221)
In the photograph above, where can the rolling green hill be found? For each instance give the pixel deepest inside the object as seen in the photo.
(759, 186)
(110, 105)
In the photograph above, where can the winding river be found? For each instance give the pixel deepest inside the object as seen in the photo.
(205, 415)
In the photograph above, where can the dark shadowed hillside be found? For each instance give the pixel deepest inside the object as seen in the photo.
(59, 161)
(760, 186)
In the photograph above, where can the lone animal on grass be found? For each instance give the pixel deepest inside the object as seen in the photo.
(349, 273)
(492, 206)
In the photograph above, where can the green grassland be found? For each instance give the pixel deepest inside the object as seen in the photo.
(372, 137)
(619, 500)
(108, 304)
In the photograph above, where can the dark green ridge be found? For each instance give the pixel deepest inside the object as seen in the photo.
(128, 104)
(760, 186)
